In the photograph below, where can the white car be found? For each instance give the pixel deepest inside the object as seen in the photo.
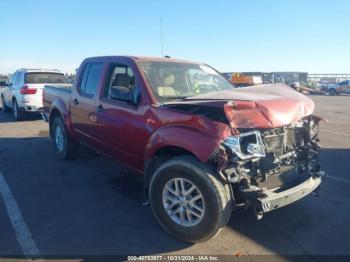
(24, 91)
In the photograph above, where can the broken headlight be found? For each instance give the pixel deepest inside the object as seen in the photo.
(247, 145)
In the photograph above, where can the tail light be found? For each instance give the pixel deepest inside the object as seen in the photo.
(27, 91)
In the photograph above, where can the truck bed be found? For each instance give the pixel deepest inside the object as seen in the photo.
(60, 93)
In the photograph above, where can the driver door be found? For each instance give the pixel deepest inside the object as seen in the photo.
(120, 121)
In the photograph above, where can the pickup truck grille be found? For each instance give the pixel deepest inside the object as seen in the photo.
(280, 140)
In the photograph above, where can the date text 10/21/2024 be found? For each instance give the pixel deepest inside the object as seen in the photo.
(172, 258)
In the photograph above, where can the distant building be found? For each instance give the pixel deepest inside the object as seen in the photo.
(277, 77)
(328, 78)
(286, 77)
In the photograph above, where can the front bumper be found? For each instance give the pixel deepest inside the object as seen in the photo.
(32, 108)
(274, 200)
(266, 200)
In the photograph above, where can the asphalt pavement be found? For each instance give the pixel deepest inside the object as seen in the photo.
(93, 205)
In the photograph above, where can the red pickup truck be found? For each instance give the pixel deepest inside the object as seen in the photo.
(204, 147)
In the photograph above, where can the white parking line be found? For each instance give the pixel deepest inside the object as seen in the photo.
(23, 235)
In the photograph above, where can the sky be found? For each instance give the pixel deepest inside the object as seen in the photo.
(234, 35)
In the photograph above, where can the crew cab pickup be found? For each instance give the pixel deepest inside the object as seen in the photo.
(203, 147)
(341, 88)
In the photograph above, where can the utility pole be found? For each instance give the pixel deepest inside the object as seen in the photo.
(161, 35)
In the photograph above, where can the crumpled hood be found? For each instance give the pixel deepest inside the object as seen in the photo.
(263, 106)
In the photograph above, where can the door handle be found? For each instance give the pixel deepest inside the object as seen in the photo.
(99, 108)
(75, 101)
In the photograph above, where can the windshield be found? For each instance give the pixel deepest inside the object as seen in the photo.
(45, 78)
(172, 80)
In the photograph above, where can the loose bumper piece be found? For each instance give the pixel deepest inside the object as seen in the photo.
(266, 200)
(275, 200)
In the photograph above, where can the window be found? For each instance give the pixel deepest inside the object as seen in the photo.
(15, 78)
(121, 83)
(19, 78)
(172, 80)
(45, 78)
(91, 78)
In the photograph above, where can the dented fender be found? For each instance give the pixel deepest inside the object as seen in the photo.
(199, 143)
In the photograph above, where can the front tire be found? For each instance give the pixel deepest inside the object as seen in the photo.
(65, 147)
(332, 92)
(188, 199)
(4, 107)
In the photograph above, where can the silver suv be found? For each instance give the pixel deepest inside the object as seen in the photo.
(23, 92)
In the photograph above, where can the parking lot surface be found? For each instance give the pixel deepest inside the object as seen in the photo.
(92, 205)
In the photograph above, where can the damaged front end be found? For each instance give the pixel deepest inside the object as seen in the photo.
(271, 168)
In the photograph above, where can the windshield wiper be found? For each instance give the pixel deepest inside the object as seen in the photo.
(174, 97)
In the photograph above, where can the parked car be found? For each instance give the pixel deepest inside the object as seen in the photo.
(23, 92)
(341, 88)
(325, 87)
(2, 87)
(3, 83)
(203, 150)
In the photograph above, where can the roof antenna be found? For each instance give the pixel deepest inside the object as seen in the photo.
(161, 35)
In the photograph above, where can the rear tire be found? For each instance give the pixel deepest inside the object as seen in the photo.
(18, 113)
(65, 147)
(209, 195)
(4, 107)
(332, 92)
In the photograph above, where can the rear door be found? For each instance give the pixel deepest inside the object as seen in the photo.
(82, 107)
(11, 88)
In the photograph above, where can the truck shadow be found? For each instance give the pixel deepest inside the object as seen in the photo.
(92, 199)
(98, 204)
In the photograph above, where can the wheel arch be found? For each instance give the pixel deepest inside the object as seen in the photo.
(163, 154)
(175, 140)
(59, 108)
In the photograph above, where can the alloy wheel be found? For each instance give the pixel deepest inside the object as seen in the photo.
(183, 202)
(59, 138)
